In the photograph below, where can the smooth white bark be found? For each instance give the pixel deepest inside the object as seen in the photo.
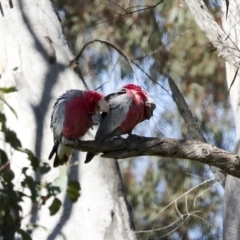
(25, 51)
(232, 189)
(226, 39)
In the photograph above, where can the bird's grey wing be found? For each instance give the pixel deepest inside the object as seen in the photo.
(113, 95)
(119, 107)
(58, 114)
(120, 104)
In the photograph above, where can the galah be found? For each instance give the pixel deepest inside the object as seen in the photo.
(71, 118)
(128, 106)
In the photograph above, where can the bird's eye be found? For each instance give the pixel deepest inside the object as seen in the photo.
(98, 107)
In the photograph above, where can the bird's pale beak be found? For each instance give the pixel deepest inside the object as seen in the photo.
(151, 106)
(103, 106)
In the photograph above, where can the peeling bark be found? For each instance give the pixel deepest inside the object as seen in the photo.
(220, 38)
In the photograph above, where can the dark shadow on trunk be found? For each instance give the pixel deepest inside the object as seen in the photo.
(41, 109)
(67, 204)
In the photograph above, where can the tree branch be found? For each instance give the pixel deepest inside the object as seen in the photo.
(192, 126)
(193, 129)
(126, 12)
(74, 64)
(135, 146)
(119, 50)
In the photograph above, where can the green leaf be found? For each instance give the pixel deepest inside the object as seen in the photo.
(73, 190)
(24, 170)
(7, 174)
(32, 226)
(8, 90)
(33, 159)
(2, 118)
(3, 157)
(44, 168)
(55, 206)
(53, 190)
(13, 111)
(12, 139)
(25, 236)
(29, 182)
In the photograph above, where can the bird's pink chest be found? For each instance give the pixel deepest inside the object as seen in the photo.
(77, 119)
(134, 116)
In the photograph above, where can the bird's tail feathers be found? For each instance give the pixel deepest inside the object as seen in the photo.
(62, 154)
(89, 157)
(60, 161)
(54, 150)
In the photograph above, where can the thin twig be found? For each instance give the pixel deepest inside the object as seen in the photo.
(173, 230)
(138, 66)
(119, 50)
(234, 78)
(117, 5)
(162, 46)
(4, 165)
(144, 8)
(184, 194)
(175, 200)
(176, 207)
(195, 199)
(171, 224)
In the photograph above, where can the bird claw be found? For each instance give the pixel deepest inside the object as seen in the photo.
(120, 138)
(66, 141)
(136, 137)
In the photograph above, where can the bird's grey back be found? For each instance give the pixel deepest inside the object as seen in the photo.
(120, 104)
(58, 114)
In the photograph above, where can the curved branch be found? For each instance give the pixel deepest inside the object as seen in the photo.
(119, 50)
(135, 146)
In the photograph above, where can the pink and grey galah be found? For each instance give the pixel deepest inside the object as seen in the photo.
(71, 118)
(128, 106)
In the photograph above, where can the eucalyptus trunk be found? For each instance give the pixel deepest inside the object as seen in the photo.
(35, 58)
(232, 188)
(226, 38)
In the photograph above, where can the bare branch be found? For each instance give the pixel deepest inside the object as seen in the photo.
(173, 148)
(4, 165)
(126, 12)
(155, 81)
(74, 64)
(168, 44)
(234, 78)
(119, 50)
(185, 112)
(193, 129)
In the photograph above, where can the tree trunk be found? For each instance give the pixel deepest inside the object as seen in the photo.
(35, 58)
(231, 222)
(226, 39)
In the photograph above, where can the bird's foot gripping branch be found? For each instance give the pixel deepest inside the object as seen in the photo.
(164, 147)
